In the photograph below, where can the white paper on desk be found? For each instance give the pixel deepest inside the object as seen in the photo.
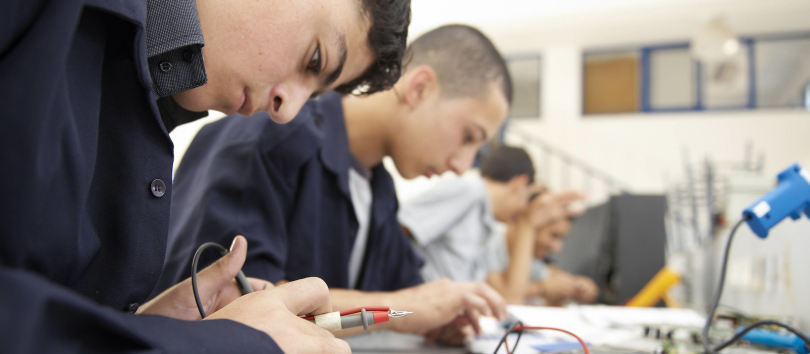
(620, 316)
(612, 326)
(557, 317)
(489, 340)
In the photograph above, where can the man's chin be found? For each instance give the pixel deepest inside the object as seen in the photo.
(409, 173)
(192, 100)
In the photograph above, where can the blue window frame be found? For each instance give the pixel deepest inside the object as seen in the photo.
(703, 77)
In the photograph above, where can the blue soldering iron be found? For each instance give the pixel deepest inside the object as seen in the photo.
(790, 198)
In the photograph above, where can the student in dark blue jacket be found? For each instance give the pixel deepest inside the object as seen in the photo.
(313, 198)
(89, 90)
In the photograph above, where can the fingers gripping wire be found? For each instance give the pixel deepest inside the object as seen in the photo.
(241, 280)
(518, 328)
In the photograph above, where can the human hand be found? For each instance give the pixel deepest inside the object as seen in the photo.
(275, 312)
(216, 286)
(586, 290)
(551, 207)
(437, 303)
(451, 334)
(558, 287)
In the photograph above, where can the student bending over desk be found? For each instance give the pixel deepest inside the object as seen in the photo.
(546, 281)
(90, 91)
(313, 198)
(456, 226)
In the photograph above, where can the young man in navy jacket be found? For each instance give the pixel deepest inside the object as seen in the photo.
(313, 198)
(89, 90)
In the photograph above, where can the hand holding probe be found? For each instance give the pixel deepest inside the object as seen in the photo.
(361, 316)
(332, 321)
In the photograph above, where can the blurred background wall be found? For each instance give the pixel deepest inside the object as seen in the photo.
(711, 150)
(645, 151)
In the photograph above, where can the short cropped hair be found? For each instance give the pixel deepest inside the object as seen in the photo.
(465, 60)
(387, 38)
(505, 162)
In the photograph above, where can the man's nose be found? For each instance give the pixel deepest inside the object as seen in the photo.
(462, 161)
(286, 100)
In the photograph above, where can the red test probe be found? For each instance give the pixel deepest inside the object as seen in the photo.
(361, 316)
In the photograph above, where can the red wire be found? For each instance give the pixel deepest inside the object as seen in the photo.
(356, 310)
(368, 308)
(520, 328)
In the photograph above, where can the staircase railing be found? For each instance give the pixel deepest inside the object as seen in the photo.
(568, 166)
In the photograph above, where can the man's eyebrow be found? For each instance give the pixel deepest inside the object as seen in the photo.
(334, 75)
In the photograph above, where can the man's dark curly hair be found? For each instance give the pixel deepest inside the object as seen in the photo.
(388, 39)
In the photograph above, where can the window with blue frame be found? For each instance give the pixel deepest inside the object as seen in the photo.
(782, 71)
(767, 72)
(611, 82)
(669, 79)
(525, 71)
(728, 85)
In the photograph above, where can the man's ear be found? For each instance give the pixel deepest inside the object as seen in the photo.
(420, 83)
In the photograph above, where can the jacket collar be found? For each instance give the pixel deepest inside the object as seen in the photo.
(335, 154)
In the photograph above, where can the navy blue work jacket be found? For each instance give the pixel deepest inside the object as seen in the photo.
(84, 187)
(286, 189)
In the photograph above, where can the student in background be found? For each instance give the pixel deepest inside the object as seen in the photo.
(533, 236)
(90, 91)
(556, 285)
(457, 226)
(455, 223)
(314, 199)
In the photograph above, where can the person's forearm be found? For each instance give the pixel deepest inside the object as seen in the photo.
(535, 289)
(521, 246)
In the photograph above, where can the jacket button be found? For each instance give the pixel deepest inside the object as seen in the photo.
(318, 121)
(188, 56)
(165, 66)
(158, 188)
(132, 308)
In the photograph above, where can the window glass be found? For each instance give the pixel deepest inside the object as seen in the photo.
(727, 84)
(611, 83)
(673, 79)
(782, 72)
(525, 74)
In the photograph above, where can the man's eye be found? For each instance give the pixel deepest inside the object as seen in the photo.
(314, 65)
(468, 138)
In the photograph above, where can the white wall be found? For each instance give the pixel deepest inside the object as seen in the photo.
(644, 151)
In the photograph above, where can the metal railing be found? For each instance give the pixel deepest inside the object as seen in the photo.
(568, 169)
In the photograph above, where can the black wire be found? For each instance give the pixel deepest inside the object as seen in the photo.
(194, 262)
(706, 346)
(710, 316)
(509, 331)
